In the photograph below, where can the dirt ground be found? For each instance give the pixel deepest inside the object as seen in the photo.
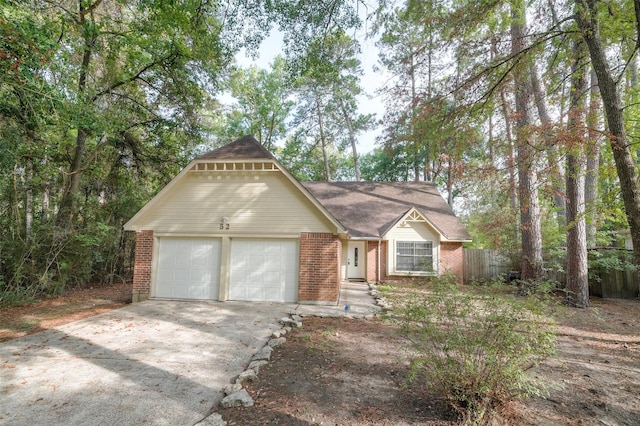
(51, 312)
(352, 372)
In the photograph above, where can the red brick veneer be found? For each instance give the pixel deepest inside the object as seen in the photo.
(142, 266)
(372, 261)
(319, 276)
(452, 259)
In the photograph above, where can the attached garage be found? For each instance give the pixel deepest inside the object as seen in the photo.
(264, 270)
(236, 225)
(188, 268)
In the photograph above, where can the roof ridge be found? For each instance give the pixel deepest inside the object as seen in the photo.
(243, 148)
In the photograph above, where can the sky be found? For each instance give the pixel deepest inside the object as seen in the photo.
(369, 103)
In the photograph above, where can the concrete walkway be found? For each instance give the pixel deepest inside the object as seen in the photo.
(355, 302)
(155, 362)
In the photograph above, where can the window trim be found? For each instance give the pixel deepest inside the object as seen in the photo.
(395, 253)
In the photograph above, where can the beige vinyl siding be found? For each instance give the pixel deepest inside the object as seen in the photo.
(254, 203)
(411, 231)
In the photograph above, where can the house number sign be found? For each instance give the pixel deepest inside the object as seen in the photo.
(224, 226)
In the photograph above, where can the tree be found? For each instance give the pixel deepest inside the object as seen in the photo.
(100, 105)
(127, 69)
(532, 266)
(577, 269)
(262, 104)
(326, 89)
(593, 161)
(403, 45)
(588, 17)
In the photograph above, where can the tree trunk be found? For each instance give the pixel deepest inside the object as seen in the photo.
(68, 203)
(553, 161)
(511, 160)
(532, 266)
(511, 164)
(577, 269)
(323, 142)
(593, 162)
(449, 182)
(352, 137)
(414, 137)
(588, 24)
(28, 198)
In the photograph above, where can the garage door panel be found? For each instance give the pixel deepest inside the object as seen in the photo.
(188, 268)
(264, 270)
(273, 278)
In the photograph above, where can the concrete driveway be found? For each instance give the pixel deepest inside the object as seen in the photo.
(156, 362)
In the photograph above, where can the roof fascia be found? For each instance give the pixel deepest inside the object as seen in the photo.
(404, 217)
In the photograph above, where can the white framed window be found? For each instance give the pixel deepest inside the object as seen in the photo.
(414, 256)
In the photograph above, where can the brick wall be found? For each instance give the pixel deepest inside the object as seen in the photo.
(319, 277)
(452, 259)
(142, 266)
(372, 261)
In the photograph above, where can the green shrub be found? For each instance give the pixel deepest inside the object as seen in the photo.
(474, 347)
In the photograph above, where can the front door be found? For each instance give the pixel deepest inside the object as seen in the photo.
(355, 260)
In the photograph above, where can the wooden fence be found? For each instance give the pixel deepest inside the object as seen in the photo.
(485, 265)
(490, 265)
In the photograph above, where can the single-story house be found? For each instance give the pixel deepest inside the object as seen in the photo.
(236, 225)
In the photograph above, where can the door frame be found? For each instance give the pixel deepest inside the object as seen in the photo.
(356, 260)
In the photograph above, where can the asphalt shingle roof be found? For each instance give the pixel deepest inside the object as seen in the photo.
(370, 209)
(247, 147)
(365, 209)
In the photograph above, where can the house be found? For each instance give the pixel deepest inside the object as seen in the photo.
(236, 225)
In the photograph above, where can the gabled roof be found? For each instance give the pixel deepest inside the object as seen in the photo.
(247, 147)
(371, 209)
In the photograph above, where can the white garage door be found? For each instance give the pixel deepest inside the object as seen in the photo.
(264, 270)
(188, 268)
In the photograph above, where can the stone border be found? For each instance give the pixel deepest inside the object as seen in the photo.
(380, 300)
(236, 395)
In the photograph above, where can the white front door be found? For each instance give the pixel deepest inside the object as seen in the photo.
(264, 270)
(356, 259)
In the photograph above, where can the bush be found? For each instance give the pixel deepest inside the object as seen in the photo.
(475, 347)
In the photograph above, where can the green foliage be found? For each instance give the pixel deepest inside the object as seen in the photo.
(475, 346)
(606, 260)
(99, 108)
(385, 165)
(261, 105)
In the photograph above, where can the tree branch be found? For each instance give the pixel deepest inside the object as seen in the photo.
(89, 9)
(136, 76)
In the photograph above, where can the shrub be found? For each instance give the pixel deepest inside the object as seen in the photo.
(475, 347)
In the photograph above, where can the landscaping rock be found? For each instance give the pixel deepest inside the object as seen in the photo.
(255, 365)
(238, 399)
(263, 354)
(232, 388)
(290, 322)
(247, 376)
(279, 333)
(276, 342)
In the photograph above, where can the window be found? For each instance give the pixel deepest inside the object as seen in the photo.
(414, 256)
